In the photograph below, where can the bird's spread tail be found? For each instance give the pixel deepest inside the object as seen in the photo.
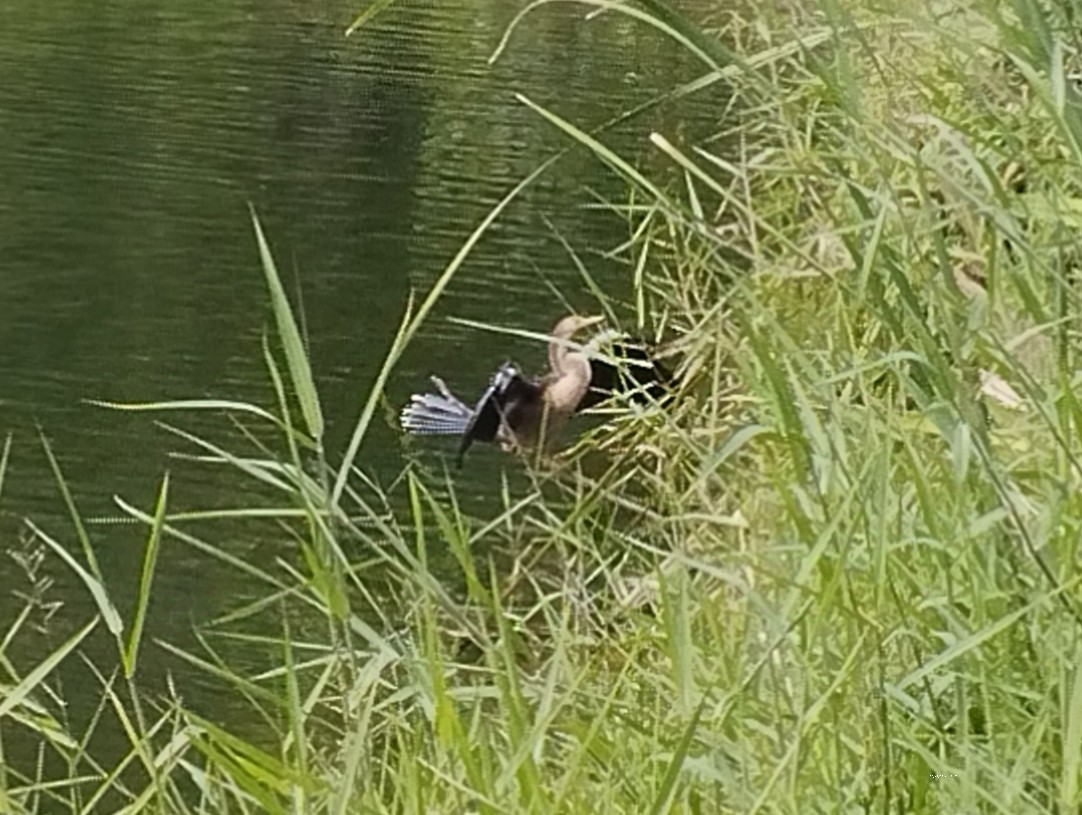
(442, 413)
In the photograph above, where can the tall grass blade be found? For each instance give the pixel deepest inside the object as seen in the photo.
(669, 782)
(146, 579)
(296, 356)
(73, 512)
(1072, 740)
(224, 405)
(20, 694)
(658, 15)
(624, 168)
(965, 645)
(374, 8)
(97, 589)
(4, 456)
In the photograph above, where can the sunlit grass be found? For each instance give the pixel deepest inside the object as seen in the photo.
(837, 573)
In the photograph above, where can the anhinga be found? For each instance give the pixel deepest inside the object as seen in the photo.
(521, 412)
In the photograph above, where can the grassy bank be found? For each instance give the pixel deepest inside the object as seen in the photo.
(837, 573)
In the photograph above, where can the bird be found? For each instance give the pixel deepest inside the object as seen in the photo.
(523, 413)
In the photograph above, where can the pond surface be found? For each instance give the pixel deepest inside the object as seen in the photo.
(133, 137)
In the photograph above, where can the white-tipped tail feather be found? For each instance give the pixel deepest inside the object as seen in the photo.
(437, 414)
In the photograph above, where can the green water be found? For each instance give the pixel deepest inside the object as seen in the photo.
(133, 136)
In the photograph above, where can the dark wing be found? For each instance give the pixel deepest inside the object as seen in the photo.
(489, 410)
(521, 406)
(644, 379)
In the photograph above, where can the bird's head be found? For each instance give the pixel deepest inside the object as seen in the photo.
(572, 324)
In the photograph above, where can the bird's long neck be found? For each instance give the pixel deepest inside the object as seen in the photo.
(568, 382)
(559, 353)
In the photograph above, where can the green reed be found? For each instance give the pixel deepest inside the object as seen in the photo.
(838, 572)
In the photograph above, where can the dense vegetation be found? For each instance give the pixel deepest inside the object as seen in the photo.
(837, 573)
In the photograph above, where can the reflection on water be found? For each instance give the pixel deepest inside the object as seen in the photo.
(132, 141)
